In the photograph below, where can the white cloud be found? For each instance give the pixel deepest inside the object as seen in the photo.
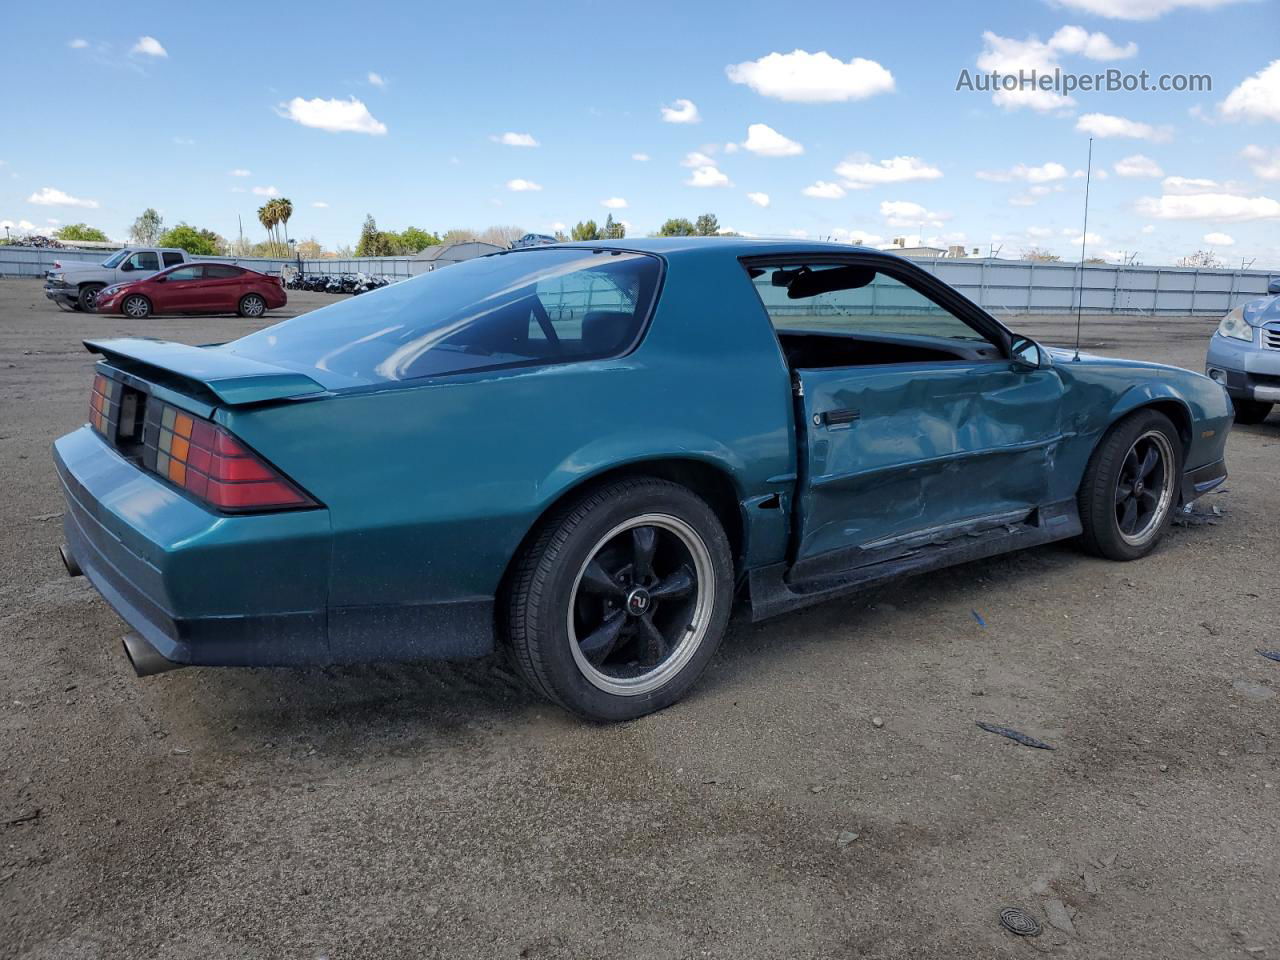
(697, 158)
(377, 79)
(903, 213)
(614, 203)
(150, 47)
(1044, 173)
(1105, 125)
(319, 204)
(53, 197)
(859, 172)
(824, 190)
(1092, 46)
(558, 227)
(861, 238)
(1008, 56)
(335, 116)
(759, 199)
(512, 139)
(1149, 229)
(266, 191)
(1140, 9)
(520, 185)
(681, 111)
(1138, 166)
(1038, 232)
(1264, 161)
(183, 141)
(1257, 98)
(731, 147)
(708, 176)
(79, 43)
(768, 142)
(1221, 207)
(1083, 239)
(640, 157)
(805, 77)
(1217, 239)
(1182, 186)
(239, 172)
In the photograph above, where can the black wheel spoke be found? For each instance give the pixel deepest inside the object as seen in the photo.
(1130, 466)
(1129, 522)
(1149, 463)
(679, 584)
(1123, 492)
(645, 543)
(595, 579)
(652, 640)
(601, 642)
(1148, 500)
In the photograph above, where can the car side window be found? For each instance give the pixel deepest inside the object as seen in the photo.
(852, 298)
(145, 260)
(171, 259)
(217, 271)
(184, 273)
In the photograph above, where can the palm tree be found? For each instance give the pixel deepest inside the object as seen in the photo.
(267, 217)
(284, 210)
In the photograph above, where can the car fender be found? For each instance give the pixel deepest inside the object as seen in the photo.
(1144, 395)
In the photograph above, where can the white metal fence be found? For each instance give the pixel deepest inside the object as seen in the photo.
(1001, 286)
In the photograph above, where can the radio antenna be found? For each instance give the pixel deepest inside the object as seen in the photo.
(1084, 239)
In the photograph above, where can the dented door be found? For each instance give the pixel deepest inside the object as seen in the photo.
(913, 454)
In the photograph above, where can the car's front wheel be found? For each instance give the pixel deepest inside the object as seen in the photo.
(252, 305)
(621, 600)
(1131, 487)
(136, 306)
(1251, 411)
(88, 295)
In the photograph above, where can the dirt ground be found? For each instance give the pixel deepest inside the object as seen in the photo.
(441, 810)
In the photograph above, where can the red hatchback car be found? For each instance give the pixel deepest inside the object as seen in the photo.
(195, 288)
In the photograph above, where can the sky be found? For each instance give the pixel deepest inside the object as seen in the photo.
(835, 120)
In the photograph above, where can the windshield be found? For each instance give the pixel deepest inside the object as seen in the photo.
(115, 261)
(537, 306)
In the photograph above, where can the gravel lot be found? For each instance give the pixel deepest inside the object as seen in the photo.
(440, 810)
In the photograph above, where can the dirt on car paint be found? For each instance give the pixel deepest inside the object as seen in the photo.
(441, 810)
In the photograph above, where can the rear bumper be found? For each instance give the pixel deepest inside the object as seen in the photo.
(200, 588)
(212, 590)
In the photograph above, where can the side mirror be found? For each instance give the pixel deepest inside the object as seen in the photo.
(1274, 286)
(160, 279)
(1026, 353)
(126, 267)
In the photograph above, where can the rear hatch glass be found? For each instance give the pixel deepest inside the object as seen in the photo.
(530, 307)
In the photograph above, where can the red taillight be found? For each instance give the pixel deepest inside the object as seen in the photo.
(206, 461)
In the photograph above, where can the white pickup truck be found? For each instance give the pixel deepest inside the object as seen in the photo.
(74, 285)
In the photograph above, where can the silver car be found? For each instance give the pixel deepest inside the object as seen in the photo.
(1244, 356)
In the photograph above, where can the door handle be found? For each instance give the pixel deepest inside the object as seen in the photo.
(839, 418)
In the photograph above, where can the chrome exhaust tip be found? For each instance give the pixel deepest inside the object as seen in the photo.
(68, 561)
(145, 659)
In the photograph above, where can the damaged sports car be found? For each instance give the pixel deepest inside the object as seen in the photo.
(587, 453)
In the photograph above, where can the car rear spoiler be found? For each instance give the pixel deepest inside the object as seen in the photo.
(232, 380)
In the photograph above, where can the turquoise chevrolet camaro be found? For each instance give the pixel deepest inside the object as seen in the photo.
(584, 452)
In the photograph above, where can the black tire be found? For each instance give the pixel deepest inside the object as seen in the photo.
(136, 307)
(88, 293)
(252, 306)
(1113, 480)
(551, 577)
(1251, 411)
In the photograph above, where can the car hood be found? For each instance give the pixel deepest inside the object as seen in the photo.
(68, 269)
(1264, 310)
(1065, 356)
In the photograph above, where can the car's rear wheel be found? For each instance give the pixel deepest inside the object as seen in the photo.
(621, 600)
(136, 306)
(1251, 411)
(252, 305)
(88, 294)
(1131, 487)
